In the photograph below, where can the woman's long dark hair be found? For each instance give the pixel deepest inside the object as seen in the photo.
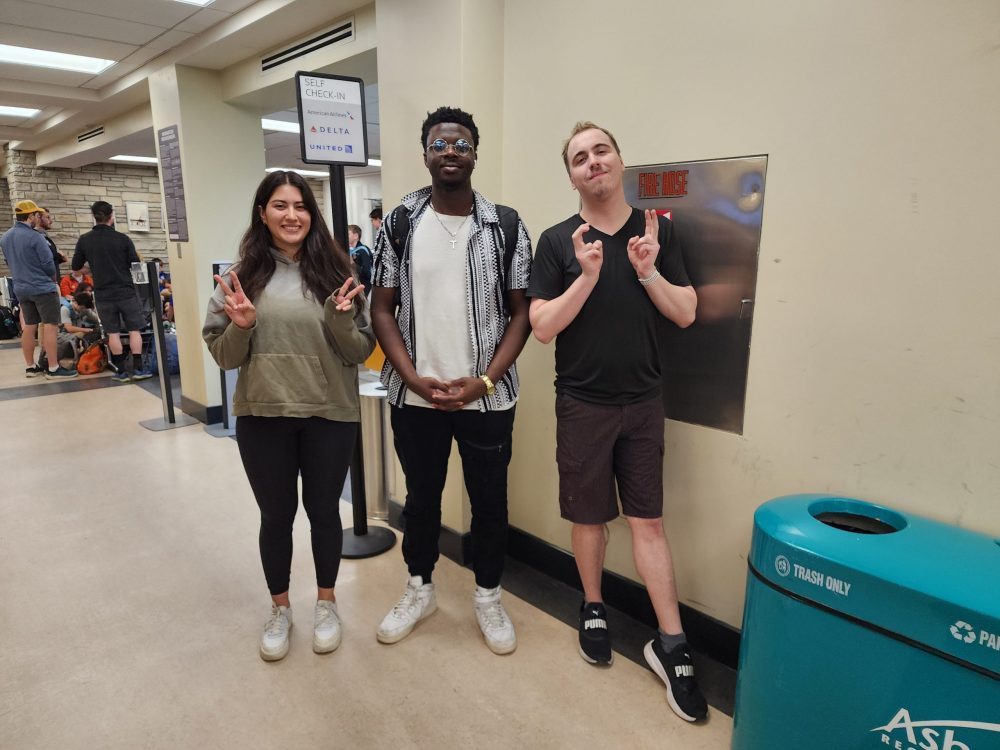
(323, 263)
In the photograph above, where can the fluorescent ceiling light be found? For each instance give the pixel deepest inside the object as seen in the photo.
(303, 172)
(279, 125)
(6, 111)
(41, 58)
(201, 3)
(374, 162)
(137, 159)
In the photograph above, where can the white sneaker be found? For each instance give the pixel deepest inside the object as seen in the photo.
(497, 628)
(274, 639)
(418, 602)
(326, 627)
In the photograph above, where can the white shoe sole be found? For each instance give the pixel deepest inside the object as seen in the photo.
(397, 637)
(655, 665)
(587, 659)
(500, 649)
(277, 656)
(325, 648)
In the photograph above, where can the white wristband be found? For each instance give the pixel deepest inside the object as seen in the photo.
(651, 278)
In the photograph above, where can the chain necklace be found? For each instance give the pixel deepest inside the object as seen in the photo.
(454, 235)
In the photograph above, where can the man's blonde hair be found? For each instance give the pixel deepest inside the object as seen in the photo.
(579, 128)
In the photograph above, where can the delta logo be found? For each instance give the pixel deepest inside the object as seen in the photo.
(903, 733)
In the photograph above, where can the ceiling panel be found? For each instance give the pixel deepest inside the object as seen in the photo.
(168, 40)
(43, 75)
(203, 19)
(73, 44)
(152, 12)
(21, 13)
(232, 6)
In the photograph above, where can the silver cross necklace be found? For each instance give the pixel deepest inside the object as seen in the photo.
(454, 235)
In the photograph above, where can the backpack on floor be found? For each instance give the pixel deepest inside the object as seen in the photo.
(93, 359)
(65, 350)
(10, 328)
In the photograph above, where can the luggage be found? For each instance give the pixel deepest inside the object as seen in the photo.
(10, 326)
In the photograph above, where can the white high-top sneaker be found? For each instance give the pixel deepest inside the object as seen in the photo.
(417, 602)
(274, 639)
(497, 628)
(326, 627)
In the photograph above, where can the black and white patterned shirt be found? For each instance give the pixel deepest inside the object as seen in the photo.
(484, 298)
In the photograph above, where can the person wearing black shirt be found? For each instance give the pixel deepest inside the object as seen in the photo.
(602, 282)
(111, 255)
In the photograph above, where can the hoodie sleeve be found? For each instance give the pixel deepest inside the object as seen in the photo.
(353, 337)
(228, 344)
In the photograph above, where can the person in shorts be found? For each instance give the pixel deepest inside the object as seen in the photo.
(110, 255)
(33, 269)
(603, 281)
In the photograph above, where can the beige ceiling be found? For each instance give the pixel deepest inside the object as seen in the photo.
(142, 36)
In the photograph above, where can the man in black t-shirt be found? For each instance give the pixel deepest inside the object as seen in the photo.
(111, 255)
(602, 281)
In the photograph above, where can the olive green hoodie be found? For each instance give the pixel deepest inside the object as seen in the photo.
(300, 358)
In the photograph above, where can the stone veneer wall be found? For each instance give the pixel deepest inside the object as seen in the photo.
(68, 193)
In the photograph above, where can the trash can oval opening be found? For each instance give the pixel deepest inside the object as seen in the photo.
(857, 517)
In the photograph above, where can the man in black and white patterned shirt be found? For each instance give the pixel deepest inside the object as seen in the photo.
(456, 267)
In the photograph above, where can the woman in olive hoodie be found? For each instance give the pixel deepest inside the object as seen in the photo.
(289, 319)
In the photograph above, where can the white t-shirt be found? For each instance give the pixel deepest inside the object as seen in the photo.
(440, 300)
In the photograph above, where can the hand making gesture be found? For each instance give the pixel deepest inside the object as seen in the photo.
(590, 255)
(642, 251)
(239, 309)
(343, 299)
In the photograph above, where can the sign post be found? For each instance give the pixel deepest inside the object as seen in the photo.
(333, 131)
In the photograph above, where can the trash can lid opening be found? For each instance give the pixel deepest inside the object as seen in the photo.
(857, 517)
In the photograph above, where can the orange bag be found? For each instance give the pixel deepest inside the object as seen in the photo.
(92, 361)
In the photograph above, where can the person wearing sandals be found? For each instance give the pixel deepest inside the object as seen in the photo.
(292, 318)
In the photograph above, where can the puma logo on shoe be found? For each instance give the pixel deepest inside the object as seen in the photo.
(596, 622)
(684, 670)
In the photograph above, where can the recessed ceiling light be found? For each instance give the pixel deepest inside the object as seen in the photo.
(303, 172)
(201, 3)
(6, 111)
(374, 162)
(41, 58)
(136, 159)
(280, 125)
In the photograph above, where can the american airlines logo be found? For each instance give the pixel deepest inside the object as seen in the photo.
(939, 734)
(596, 622)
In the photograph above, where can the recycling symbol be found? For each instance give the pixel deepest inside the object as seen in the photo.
(963, 631)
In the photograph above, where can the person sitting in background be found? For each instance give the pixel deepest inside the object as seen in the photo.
(70, 284)
(81, 319)
(360, 254)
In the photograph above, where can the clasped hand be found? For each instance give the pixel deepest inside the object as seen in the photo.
(449, 395)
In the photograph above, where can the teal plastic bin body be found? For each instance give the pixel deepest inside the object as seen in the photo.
(867, 629)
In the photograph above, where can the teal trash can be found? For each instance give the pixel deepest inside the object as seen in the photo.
(867, 629)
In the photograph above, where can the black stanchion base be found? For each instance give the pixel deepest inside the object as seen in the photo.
(159, 424)
(359, 546)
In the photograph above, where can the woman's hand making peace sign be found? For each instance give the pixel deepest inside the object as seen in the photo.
(239, 309)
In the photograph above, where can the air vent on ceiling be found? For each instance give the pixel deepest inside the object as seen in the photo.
(341, 32)
(90, 134)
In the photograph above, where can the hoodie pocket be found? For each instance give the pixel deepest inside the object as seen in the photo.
(286, 379)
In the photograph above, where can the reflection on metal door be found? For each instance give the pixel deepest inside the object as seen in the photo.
(716, 207)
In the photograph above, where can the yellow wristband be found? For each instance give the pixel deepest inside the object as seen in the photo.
(490, 388)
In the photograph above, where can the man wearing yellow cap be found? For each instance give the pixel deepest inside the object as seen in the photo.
(33, 268)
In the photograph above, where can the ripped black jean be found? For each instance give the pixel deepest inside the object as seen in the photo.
(423, 438)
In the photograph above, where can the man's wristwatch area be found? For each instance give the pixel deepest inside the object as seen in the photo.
(490, 388)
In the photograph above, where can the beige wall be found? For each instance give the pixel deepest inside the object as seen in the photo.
(876, 344)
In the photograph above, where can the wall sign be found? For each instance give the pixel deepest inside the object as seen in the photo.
(173, 183)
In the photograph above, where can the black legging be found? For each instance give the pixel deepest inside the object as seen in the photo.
(275, 450)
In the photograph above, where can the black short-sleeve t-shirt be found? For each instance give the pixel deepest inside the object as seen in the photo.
(609, 354)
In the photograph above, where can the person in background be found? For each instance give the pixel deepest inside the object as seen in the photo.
(70, 283)
(287, 316)
(376, 218)
(33, 269)
(110, 255)
(360, 254)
